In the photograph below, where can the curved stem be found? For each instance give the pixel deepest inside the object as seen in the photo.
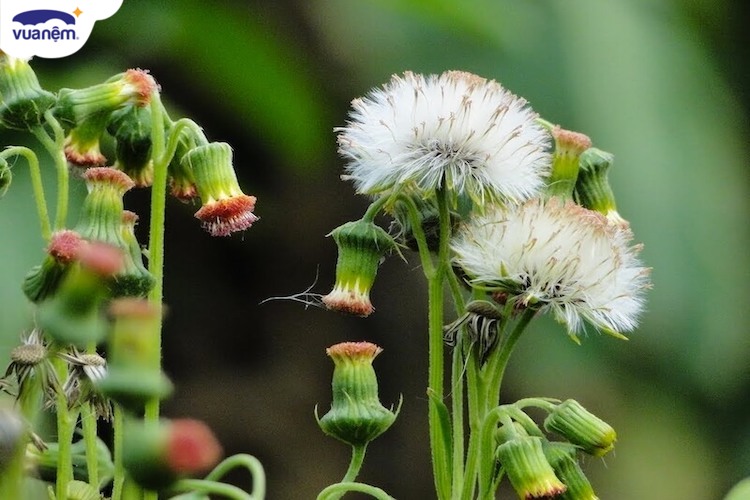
(358, 456)
(375, 207)
(36, 185)
(338, 489)
(213, 487)
(55, 148)
(249, 462)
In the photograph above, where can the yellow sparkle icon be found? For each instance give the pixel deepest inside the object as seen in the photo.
(77, 12)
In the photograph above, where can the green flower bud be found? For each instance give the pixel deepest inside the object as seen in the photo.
(134, 280)
(134, 87)
(133, 377)
(592, 189)
(45, 461)
(562, 457)
(181, 178)
(42, 281)
(22, 100)
(226, 209)
(529, 473)
(82, 148)
(356, 416)
(568, 148)
(72, 315)
(157, 455)
(582, 428)
(131, 128)
(361, 246)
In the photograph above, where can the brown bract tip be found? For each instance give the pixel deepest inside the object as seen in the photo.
(144, 83)
(183, 191)
(348, 302)
(85, 159)
(192, 447)
(109, 175)
(227, 216)
(129, 217)
(354, 350)
(573, 142)
(65, 245)
(469, 78)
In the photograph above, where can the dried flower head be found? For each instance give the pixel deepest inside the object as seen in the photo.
(455, 130)
(560, 257)
(31, 361)
(86, 369)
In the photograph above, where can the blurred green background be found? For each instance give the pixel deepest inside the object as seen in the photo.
(662, 85)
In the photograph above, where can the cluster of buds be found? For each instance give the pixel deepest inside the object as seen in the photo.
(540, 468)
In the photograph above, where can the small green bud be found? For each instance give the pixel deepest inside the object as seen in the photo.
(23, 102)
(356, 416)
(181, 178)
(582, 428)
(82, 148)
(568, 148)
(592, 189)
(72, 315)
(132, 378)
(131, 128)
(226, 209)
(134, 280)
(361, 246)
(524, 462)
(562, 457)
(157, 455)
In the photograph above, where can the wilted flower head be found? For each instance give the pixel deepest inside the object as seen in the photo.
(558, 256)
(455, 130)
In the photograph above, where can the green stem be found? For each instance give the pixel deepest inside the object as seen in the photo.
(88, 424)
(250, 463)
(358, 456)
(66, 420)
(156, 234)
(117, 441)
(36, 184)
(496, 365)
(457, 410)
(374, 208)
(55, 148)
(338, 489)
(213, 487)
(475, 404)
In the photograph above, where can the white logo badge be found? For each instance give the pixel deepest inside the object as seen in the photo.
(50, 28)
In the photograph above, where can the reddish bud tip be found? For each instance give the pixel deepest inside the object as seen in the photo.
(192, 447)
(144, 83)
(64, 246)
(227, 216)
(109, 176)
(354, 350)
(100, 258)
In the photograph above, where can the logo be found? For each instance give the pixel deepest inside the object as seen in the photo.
(50, 28)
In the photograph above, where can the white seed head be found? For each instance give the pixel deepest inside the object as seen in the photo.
(455, 130)
(570, 260)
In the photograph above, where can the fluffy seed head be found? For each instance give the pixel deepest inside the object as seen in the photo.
(559, 256)
(455, 130)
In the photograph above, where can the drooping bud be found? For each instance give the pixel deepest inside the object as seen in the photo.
(134, 280)
(568, 148)
(356, 416)
(582, 428)
(23, 102)
(133, 377)
(181, 178)
(134, 87)
(131, 128)
(361, 245)
(592, 189)
(82, 148)
(42, 281)
(562, 457)
(530, 474)
(226, 209)
(157, 455)
(73, 315)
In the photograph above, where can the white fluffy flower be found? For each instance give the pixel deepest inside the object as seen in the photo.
(560, 256)
(455, 130)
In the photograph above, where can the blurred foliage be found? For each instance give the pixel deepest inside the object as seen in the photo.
(648, 81)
